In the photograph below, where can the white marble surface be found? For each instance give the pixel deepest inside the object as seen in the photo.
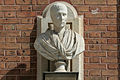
(76, 24)
(59, 43)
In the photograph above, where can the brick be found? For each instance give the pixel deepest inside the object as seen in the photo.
(113, 66)
(14, 72)
(94, 21)
(97, 15)
(2, 39)
(95, 28)
(109, 72)
(11, 77)
(13, 59)
(23, 39)
(95, 72)
(2, 33)
(13, 33)
(24, 65)
(2, 45)
(26, 46)
(86, 34)
(80, 13)
(11, 65)
(111, 15)
(26, 7)
(10, 33)
(2, 59)
(12, 46)
(1, 14)
(26, 14)
(1, 1)
(28, 33)
(77, 1)
(24, 52)
(95, 66)
(94, 47)
(33, 59)
(108, 8)
(9, 21)
(95, 8)
(39, 7)
(1, 52)
(25, 27)
(25, 59)
(9, 27)
(109, 34)
(1, 27)
(86, 60)
(10, 8)
(39, 13)
(113, 78)
(2, 77)
(95, 54)
(23, 1)
(10, 39)
(95, 41)
(112, 28)
(109, 60)
(86, 47)
(43, 2)
(86, 72)
(95, 1)
(9, 2)
(3, 72)
(95, 60)
(10, 53)
(34, 2)
(26, 77)
(109, 47)
(2, 65)
(97, 78)
(26, 20)
(86, 21)
(81, 8)
(34, 65)
(109, 21)
(10, 14)
(112, 41)
(110, 2)
(94, 34)
(112, 54)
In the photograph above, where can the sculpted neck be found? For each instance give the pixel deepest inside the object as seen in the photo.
(59, 30)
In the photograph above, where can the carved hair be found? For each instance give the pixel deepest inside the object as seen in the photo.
(56, 7)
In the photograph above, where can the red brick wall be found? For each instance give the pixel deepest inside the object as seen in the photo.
(18, 32)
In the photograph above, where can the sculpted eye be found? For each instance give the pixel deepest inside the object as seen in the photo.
(64, 14)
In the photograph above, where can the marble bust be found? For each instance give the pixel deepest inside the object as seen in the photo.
(59, 43)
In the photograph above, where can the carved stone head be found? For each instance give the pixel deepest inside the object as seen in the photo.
(58, 13)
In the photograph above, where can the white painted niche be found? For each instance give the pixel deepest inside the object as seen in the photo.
(75, 23)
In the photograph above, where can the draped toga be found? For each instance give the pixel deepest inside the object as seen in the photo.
(50, 45)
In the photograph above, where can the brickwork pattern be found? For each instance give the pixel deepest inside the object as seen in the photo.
(18, 33)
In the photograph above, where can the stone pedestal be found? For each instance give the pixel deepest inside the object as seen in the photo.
(60, 76)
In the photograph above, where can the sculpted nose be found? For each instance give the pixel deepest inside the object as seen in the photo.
(62, 17)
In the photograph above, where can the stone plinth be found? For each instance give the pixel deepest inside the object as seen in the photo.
(60, 76)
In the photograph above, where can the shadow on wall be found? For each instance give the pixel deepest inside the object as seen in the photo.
(22, 72)
(118, 34)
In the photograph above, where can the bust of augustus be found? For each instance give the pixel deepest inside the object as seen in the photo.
(59, 43)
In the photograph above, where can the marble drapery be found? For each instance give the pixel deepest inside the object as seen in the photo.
(52, 47)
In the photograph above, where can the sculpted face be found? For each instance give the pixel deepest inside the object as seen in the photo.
(58, 14)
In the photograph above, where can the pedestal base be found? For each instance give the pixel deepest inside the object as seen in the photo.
(60, 76)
